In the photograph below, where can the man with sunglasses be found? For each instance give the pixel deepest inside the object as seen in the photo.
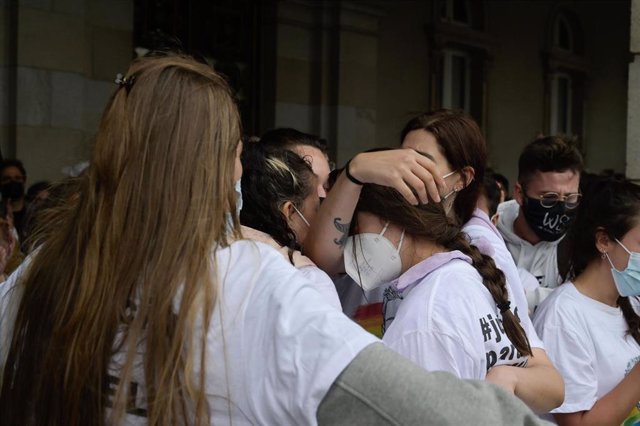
(546, 198)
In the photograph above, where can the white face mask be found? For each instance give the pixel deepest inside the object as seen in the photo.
(453, 191)
(375, 261)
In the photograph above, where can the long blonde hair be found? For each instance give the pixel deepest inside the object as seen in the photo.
(131, 251)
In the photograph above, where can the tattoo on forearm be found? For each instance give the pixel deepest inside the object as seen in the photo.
(342, 227)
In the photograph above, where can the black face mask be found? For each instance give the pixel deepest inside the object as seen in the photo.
(12, 190)
(549, 224)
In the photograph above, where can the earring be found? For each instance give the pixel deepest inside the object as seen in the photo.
(603, 255)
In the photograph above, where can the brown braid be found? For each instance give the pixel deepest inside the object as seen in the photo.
(633, 320)
(494, 280)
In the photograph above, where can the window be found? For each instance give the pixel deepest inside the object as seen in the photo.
(456, 80)
(562, 34)
(562, 104)
(456, 11)
(565, 75)
(459, 48)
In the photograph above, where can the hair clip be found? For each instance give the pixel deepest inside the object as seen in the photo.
(124, 81)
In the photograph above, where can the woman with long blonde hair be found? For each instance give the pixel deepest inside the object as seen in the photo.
(141, 307)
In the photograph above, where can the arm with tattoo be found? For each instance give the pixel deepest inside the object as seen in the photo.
(344, 229)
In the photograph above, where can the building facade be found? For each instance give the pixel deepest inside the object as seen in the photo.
(352, 72)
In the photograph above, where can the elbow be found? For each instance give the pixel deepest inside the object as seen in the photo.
(555, 395)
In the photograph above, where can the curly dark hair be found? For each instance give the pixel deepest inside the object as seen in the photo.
(271, 177)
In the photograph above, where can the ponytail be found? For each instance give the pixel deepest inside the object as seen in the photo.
(633, 320)
(494, 280)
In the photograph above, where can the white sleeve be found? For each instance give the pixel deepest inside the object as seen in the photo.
(281, 345)
(323, 284)
(574, 360)
(437, 351)
(10, 297)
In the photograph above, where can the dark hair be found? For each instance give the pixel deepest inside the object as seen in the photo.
(37, 188)
(272, 177)
(11, 162)
(491, 191)
(612, 205)
(462, 144)
(548, 154)
(502, 180)
(430, 222)
(41, 216)
(289, 138)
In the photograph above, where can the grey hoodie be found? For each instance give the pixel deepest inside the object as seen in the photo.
(540, 259)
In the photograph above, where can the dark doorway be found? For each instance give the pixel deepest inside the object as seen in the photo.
(237, 37)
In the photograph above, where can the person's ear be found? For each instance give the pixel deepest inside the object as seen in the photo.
(518, 194)
(287, 210)
(495, 218)
(604, 244)
(468, 174)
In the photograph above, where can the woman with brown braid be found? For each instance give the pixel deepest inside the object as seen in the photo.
(455, 312)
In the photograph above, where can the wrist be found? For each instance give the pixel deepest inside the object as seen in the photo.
(352, 171)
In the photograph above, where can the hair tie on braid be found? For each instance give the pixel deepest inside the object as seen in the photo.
(504, 307)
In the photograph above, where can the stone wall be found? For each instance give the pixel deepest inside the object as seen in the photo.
(69, 52)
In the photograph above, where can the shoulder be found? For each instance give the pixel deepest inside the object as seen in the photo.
(249, 256)
(455, 288)
(561, 307)
(323, 283)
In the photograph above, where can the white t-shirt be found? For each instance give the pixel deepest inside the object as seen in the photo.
(284, 345)
(323, 283)
(448, 320)
(481, 231)
(540, 259)
(303, 263)
(587, 342)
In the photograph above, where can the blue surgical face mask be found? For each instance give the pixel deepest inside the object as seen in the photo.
(229, 217)
(627, 281)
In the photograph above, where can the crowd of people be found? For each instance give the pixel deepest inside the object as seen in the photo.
(192, 275)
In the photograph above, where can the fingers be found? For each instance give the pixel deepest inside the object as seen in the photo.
(419, 187)
(405, 170)
(428, 184)
(406, 192)
(426, 179)
(432, 169)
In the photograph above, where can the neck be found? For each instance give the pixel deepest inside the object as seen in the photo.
(415, 250)
(522, 229)
(597, 282)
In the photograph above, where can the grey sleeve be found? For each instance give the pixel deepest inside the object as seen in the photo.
(380, 387)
